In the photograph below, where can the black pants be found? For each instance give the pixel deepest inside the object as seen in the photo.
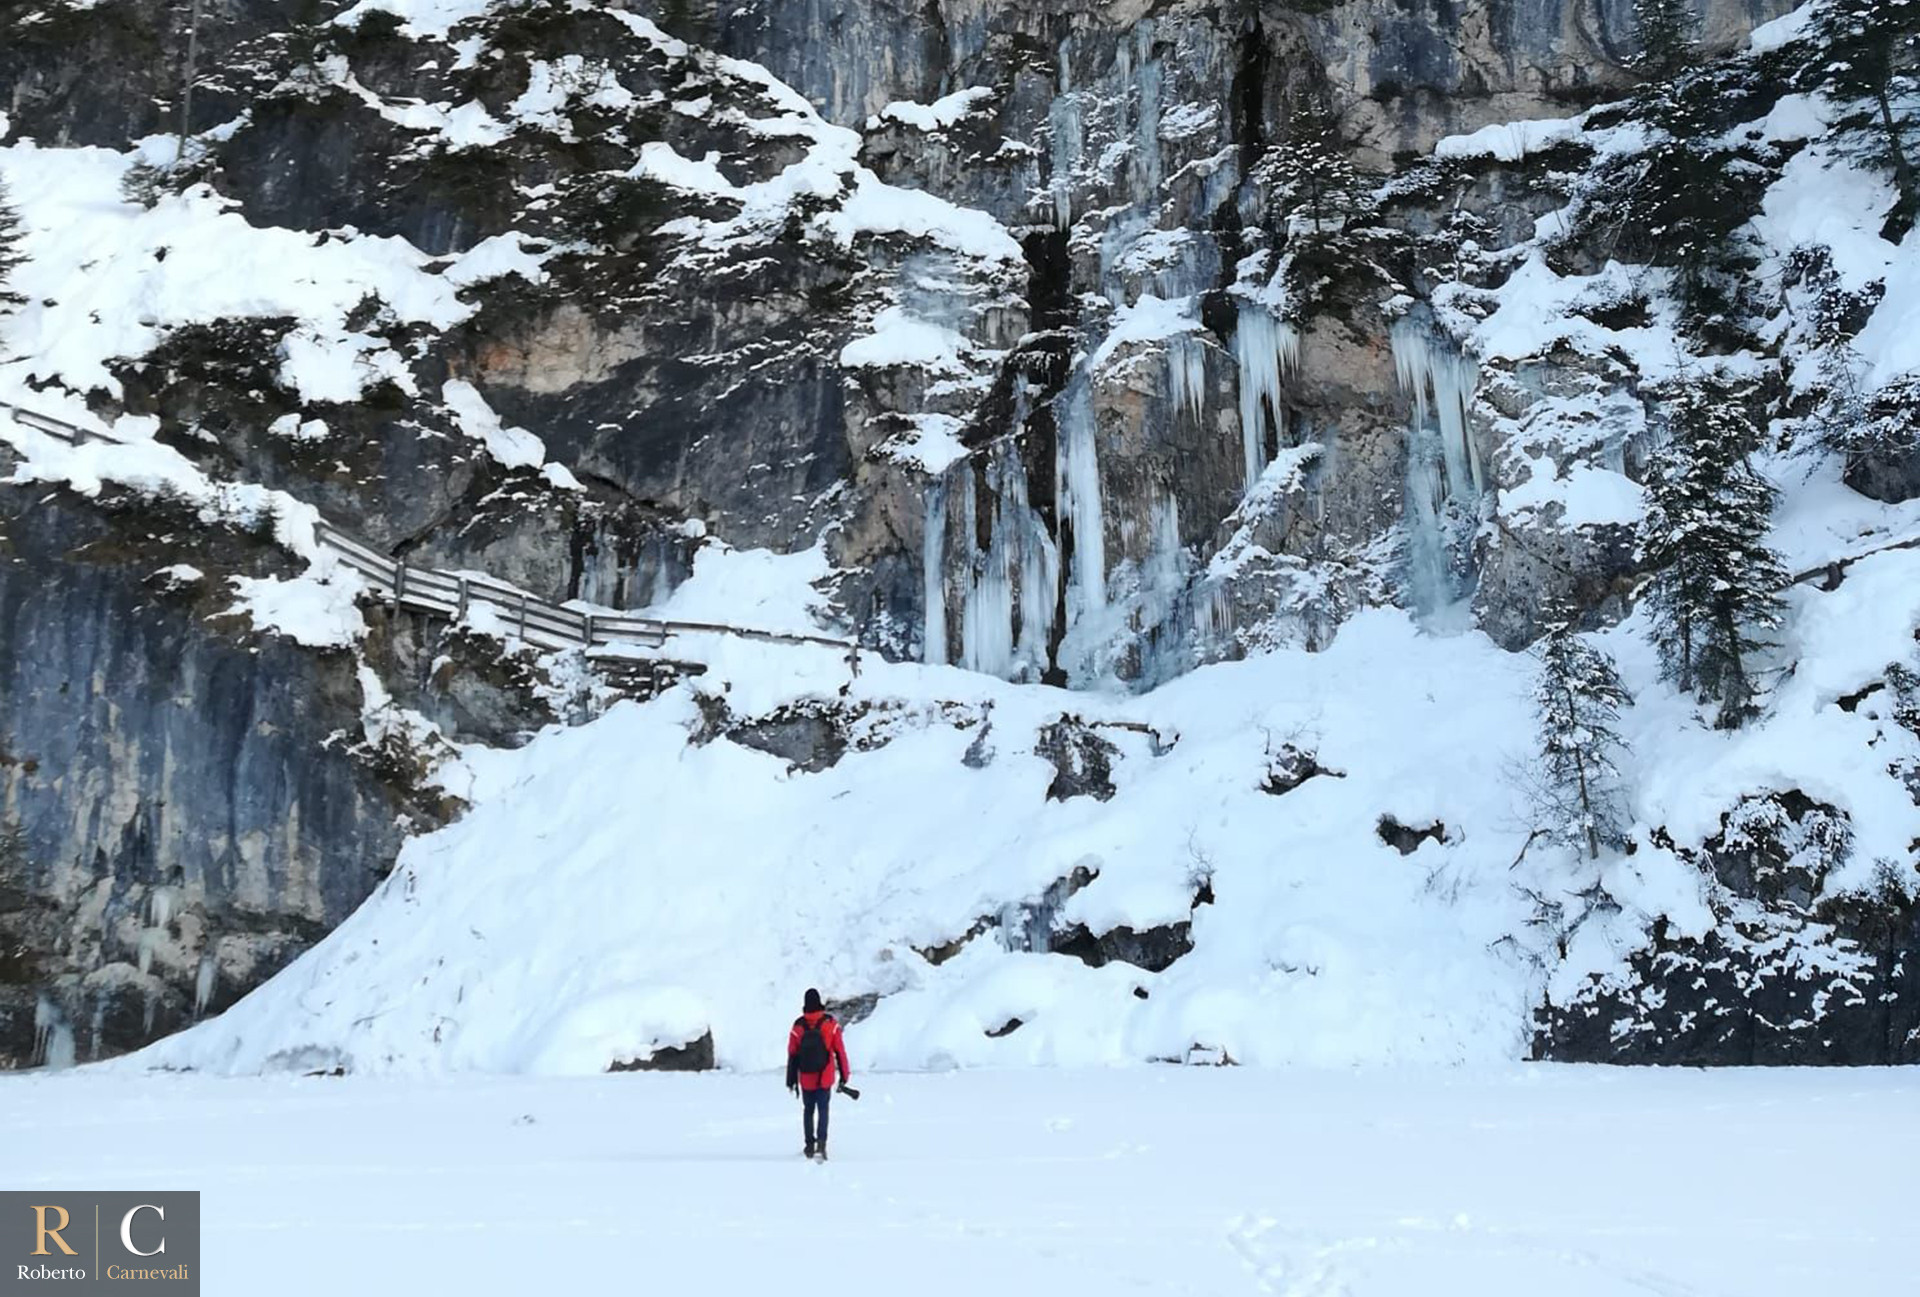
(809, 1101)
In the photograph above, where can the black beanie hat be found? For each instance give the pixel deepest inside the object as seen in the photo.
(812, 1003)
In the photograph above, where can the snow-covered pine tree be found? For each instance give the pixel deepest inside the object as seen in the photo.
(1663, 37)
(1890, 419)
(11, 256)
(1867, 54)
(1577, 700)
(1688, 195)
(1715, 586)
(1309, 172)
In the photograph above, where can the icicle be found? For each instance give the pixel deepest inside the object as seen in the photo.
(1451, 378)
(933, 557)
(1187, 373)
(160, 907)
(1266, 350)
(1413, 363)
(1213, 619)
(52, 1035)
(149, 938)
(205, 978)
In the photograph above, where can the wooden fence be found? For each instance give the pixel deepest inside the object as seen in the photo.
(453, 595)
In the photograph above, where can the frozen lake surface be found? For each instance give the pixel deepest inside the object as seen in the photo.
(1515, 1182)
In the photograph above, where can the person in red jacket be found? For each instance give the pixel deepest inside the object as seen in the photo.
(814, 1047)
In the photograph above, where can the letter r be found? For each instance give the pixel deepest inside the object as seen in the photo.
(43, 1233)
(126, 1229)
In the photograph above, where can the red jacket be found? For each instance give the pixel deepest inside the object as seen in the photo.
(836, 1052)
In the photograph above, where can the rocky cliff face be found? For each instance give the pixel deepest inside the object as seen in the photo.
(1005, 309)
(181, 810)
(1094, 397)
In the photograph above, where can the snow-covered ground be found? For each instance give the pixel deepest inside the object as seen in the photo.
(1517, 1182)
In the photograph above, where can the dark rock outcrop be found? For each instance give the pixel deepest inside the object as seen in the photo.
(1082, 760)
(810, 737)
(1154, 949)
(1288, 767)
(693, 1056)
(1409, 838)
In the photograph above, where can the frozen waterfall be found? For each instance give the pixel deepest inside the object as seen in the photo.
(1006, 591)
(1267, 350)
(1444, 477)
(1451, 378)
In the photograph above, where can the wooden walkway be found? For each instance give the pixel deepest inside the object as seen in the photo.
(454, 595)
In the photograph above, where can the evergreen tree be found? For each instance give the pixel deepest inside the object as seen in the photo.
(1868, 53)
(1663, 34)
(11, 256)
(1693, 189)
(1715, 586)
(1577, 699)
(1309, 171)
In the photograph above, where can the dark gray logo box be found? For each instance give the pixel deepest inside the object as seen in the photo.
(96, 1232)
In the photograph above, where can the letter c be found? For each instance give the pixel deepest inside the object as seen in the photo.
(126, 1229)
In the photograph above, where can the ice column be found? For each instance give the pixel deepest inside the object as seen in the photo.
(205, 978)
(986, 614)
(933, 553)
(1147, 81)
(1039, 559)
(1065, 130)
(1077, 470)
(1163, 592)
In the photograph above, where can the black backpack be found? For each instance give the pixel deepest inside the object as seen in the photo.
(812, 1056)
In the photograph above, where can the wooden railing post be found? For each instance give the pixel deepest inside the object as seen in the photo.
(523, 614)
(461, 615)
(399, 582)
(586, 629)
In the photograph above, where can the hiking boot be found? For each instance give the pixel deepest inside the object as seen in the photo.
(820, 1150)
(808, 1150)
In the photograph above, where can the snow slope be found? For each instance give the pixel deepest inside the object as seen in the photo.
(616, 889)
(1576, 1182)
